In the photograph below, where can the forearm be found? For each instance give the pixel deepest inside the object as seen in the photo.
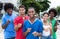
(4, 26)
(25, 33)
(17, 27)
(39, 34)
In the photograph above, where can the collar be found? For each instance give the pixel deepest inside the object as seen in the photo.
(34, 20)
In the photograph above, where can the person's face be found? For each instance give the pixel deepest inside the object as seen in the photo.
(51, 14)
(22, 10)
(45, 17)
(31, 12)
(9, 11)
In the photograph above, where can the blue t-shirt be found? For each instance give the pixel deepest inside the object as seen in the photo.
(37, 26)
(9, 30)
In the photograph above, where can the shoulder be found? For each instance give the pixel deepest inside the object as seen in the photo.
(14, 15)
(39, 21)
(18, 18)
(25, 21)
(3, 16)
(27, 17)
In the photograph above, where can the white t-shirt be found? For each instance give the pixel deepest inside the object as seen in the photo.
(46, 33)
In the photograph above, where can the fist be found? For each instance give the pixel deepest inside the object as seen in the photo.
(8, 21)
(29, 29)
(19, 25)
(35, 33)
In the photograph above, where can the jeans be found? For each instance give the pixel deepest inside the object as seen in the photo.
(46, 37)
(10, 38)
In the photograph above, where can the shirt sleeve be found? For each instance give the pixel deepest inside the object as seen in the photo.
(40, 27)
(18, 20)
(15, 22)
(24, 26)
(3, 20)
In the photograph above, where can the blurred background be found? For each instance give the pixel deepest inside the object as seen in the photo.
(40, 5)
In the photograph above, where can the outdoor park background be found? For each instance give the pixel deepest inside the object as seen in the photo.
(40, 6)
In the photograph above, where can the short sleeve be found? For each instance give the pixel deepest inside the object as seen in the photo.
(18, 20)
(15, 22)
(24, 26)
(3, 20)
(40, 26)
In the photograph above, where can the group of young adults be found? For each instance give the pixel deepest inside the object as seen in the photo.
(28, 26)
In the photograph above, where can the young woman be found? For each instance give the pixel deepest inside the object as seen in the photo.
(53, 13)
(47, 29)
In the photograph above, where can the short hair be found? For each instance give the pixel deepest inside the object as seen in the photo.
(31, 8)
(53, 10)
(45, 13)
(8, 5)
(21, 6)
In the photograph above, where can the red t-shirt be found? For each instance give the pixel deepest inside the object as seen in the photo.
(19, 33)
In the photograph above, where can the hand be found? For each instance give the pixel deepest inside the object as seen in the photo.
(35, 33)
(55, 29)
(29, 29)
(8, 21)
(19, 25)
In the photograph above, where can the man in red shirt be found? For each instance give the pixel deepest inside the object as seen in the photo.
(18, 23)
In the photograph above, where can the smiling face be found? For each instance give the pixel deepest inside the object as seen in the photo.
(45, 17)
(22, 11)
(31, 12)
(51, 14)
(9, 11)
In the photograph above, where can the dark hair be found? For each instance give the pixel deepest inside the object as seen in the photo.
(46, 13)
(21, 6)
(53, 10)
(31, 7)
(8, 5)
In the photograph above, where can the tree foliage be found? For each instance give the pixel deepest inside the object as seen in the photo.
(58, 10)
(38, 5)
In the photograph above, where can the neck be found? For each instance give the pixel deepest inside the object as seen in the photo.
(45, 21)
(32, 19)
(22, 15)
(9, 14)
(51, 18)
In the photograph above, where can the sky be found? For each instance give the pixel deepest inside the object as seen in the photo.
(54, 3)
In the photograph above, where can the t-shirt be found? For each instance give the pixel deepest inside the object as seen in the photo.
(53, 22)
(9, 30)
(19, 33)
(46, 33)
(37, 26)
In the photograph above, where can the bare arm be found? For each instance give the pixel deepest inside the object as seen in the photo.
(27, 31)
(17, 26)
(55, 29)
(50, 28)
(5, 25)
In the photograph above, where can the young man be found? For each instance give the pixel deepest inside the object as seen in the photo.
(7, 22)
(18, 22)
(33, 27)
(53, 13)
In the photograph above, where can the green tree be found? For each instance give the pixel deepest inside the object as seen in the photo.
(37, 4)
(58, 10)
